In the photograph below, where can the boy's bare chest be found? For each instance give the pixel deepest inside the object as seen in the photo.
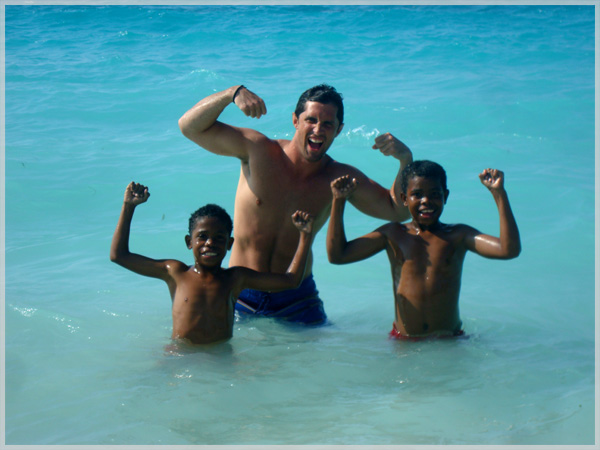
(196, 293)
(427, 251)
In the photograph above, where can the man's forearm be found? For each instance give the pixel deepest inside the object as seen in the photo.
(396, 191)
(205, 113)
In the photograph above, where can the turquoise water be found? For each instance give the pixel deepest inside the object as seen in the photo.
(93, 95)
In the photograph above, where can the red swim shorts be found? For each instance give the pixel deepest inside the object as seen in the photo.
(395, 334)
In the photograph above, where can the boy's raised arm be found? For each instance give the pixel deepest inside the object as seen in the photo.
(508, 245)
(135, 194)
(339, 250)
(304, 223)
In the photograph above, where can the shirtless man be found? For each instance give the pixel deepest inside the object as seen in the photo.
(281, 176)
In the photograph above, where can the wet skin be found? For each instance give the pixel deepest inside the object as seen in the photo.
(279, 176)
(426, 256)
(204, 295)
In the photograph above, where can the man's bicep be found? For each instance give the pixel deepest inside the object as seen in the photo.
(226, 140)
(374, 200)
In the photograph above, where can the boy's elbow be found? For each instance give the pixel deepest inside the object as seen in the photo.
(512, 252)
(297, 283)
(330, 256)
(335, 258)
(116, 256)
(294, 280)
(333, 255)
(515, 252)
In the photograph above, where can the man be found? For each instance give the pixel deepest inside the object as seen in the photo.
(281, 176)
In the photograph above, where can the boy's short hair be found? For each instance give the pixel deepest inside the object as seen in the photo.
(211, 210)
(423, 168)
(323, 93)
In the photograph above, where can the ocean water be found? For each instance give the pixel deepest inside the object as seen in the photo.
(92, 99)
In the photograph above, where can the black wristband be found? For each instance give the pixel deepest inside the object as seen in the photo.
(236, 92)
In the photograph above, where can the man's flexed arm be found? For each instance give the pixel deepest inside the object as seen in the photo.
(375, 200)
(200, 123)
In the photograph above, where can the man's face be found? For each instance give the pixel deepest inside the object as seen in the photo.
(316, 128)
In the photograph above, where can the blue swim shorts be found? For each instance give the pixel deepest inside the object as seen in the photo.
(301, 305)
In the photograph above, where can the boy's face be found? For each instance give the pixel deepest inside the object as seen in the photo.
(210, 241)
(425, 199)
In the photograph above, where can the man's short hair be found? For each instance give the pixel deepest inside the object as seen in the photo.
(211, 210)
(423, 168)
(322, 93)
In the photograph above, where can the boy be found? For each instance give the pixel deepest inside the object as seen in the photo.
(204, 295)
(426, 255)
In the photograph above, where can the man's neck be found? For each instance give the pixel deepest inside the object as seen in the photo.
(301, 166)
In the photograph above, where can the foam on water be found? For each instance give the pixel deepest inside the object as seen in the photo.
(93, 95)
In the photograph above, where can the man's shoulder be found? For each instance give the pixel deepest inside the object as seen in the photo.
(264, 146)
(341, 167)
(254, 136)
(338, 169)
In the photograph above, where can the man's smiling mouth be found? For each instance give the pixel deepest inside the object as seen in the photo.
(315, 143)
